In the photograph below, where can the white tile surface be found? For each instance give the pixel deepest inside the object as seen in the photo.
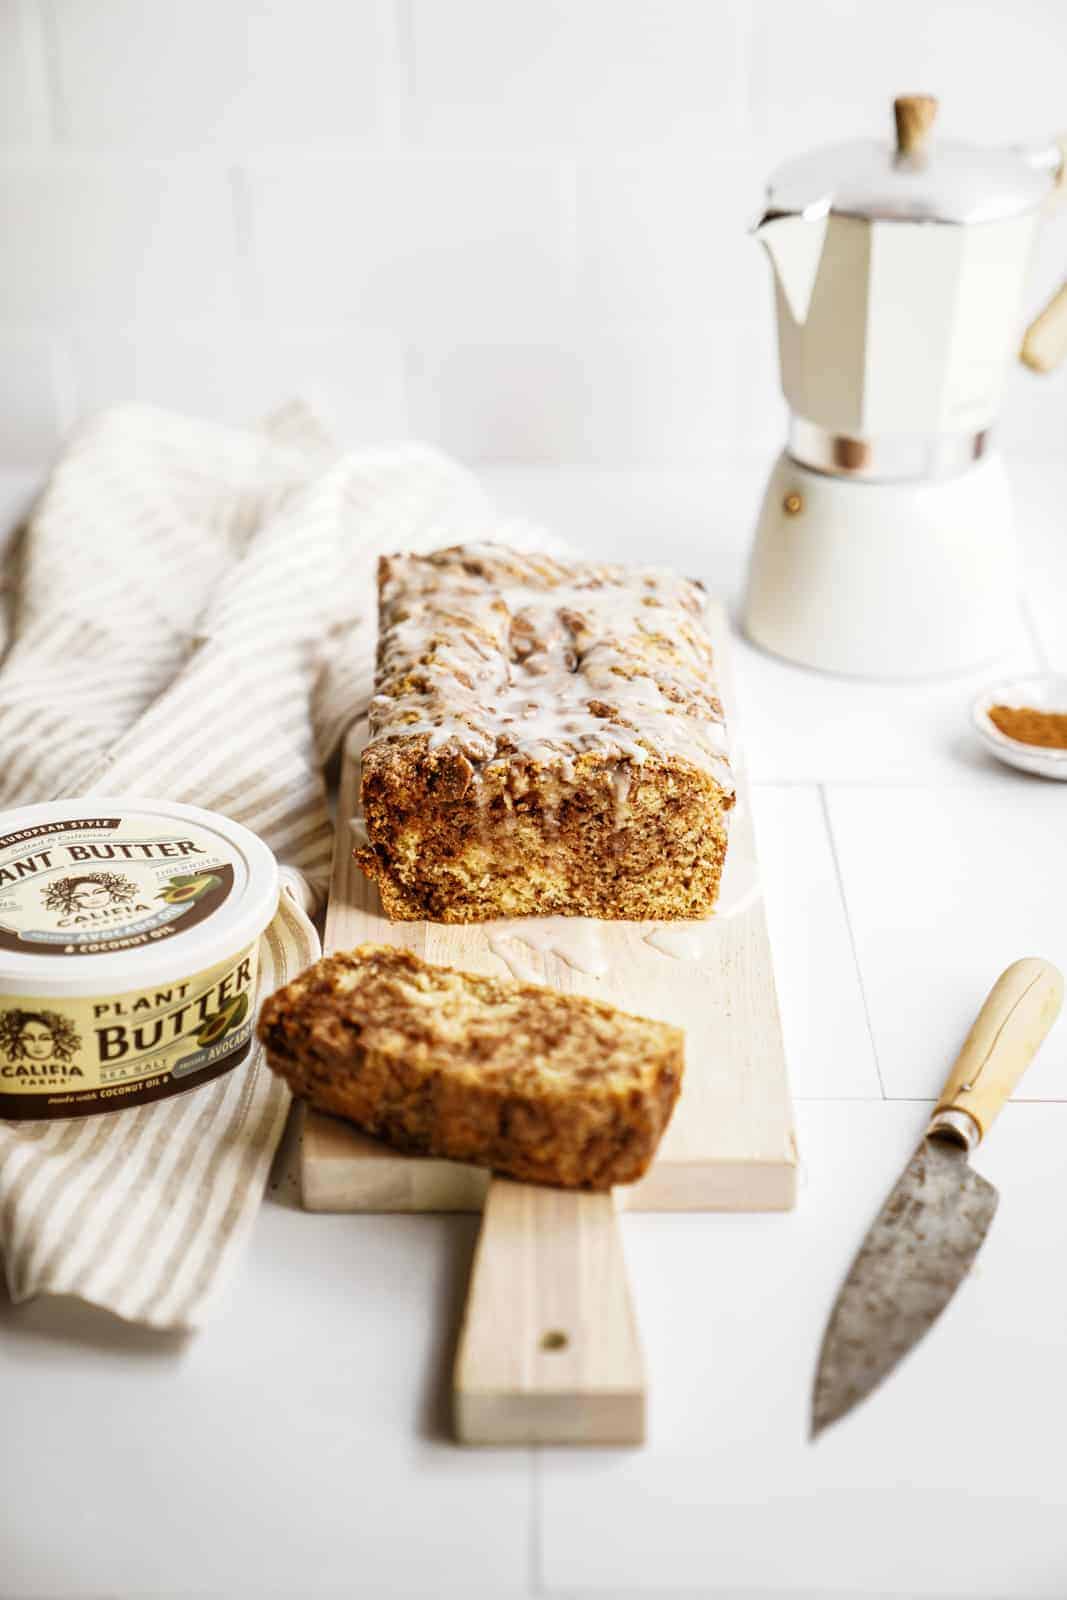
(615, 76)
(1041, 514)
(294, 1447)
(17, 491)
(236, 373)
(24, 113)
(591, 395)
(500, 402)
(519, 228)
(729, 1498)
(763, 414)
(115, 242)
(946, 887)
(666, 238)
(317, 1402)
(606, 256)
(169, 79)
(658, 394)
(803, 726)
(413, 245)
(834, 67)
(31, 428)
(696, 521)
(1035, 411)
(1035, 407)
(827, 1038)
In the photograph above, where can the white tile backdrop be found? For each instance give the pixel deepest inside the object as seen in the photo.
(517, 227)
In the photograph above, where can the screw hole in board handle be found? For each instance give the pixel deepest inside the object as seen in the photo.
(554, 1339)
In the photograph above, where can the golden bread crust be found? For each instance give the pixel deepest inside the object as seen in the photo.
(541, 1086)
(545, 738)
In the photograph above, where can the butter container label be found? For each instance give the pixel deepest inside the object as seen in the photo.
(64, 1057)
(97, 885)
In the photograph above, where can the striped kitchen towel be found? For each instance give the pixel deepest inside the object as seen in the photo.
(189, 614)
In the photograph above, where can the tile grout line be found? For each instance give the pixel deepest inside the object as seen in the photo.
(63, 376)
(44, 75)
(824, 803)
(535, 1556)
(750, 42)
(846, 1099)
(1015, 1100)
(960, 785)
(403, 20)
(903, 1099)
(248, 285)
(571, 182)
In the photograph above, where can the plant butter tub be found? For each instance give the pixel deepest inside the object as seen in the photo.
(129, 952)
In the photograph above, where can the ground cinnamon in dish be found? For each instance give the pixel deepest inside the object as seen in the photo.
(1029, 725)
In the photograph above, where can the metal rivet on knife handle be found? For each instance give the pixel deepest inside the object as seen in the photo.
(1019, 1011)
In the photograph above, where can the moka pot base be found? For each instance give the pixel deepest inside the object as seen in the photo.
(903, 579)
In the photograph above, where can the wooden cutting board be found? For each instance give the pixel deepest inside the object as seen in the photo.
(550, 1272)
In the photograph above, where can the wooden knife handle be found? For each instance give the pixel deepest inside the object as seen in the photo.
(1019, 1011)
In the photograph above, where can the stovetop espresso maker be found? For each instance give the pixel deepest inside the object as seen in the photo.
(885, 545)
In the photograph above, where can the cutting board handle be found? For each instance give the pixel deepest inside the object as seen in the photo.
(549, 1352)
(1007, 1033)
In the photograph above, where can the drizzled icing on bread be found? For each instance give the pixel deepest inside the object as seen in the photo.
(504, 655)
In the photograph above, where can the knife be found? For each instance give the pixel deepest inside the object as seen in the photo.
(924, 1240)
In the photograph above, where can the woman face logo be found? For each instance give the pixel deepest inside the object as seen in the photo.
(38, 1036)
(91, 896)
(91, 893)
(36, 1039)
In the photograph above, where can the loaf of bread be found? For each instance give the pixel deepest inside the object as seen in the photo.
(545, 738)
(546, 1087)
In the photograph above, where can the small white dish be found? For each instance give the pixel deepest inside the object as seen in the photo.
(1046, 692)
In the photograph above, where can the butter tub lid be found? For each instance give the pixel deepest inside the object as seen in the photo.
(105, 895)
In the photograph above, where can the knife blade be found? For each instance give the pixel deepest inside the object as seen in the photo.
(923, 1242)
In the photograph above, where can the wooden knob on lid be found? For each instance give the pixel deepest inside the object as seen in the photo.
(915, 115)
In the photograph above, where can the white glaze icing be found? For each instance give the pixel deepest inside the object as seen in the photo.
(578, 941)
(621, 780)
(685, 941)
(501, 654)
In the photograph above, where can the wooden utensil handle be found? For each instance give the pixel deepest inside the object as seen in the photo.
(1007, 1033)
(1045, 340)
(914, 115)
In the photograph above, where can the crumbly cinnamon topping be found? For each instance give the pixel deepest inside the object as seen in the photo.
(498, 654)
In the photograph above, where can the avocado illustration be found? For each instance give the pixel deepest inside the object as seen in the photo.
(185, 889)
(223, 1021)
